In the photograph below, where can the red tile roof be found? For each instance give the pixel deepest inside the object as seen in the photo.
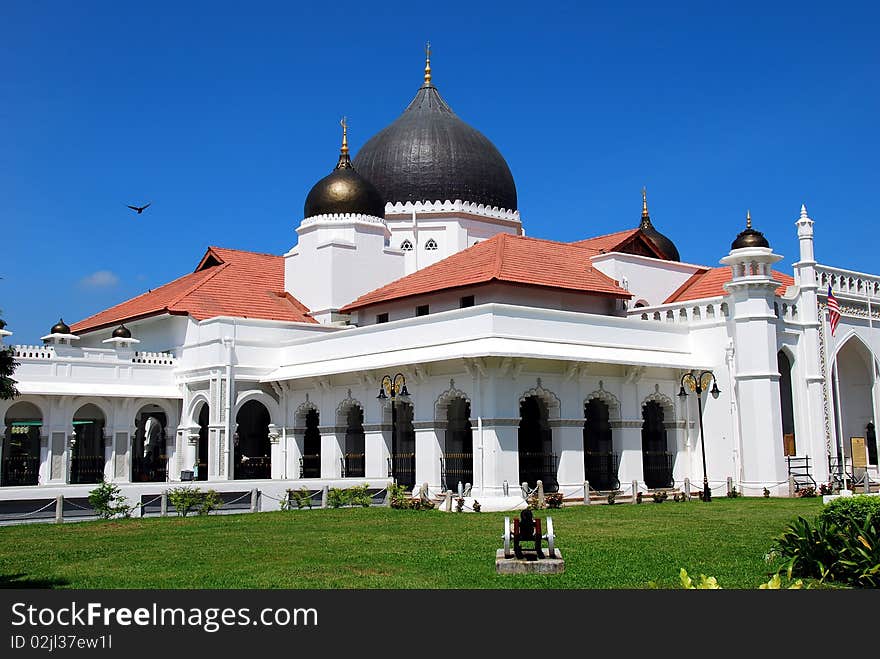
(710, 283)
(502, 258)
(616, 242)
(227, 282)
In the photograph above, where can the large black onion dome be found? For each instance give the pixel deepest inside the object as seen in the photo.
(749, 237)
(121, 332)
(344, 191)
(428, 154)
(661, 242)
(60, 327)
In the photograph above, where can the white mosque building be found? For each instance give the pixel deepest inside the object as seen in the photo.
(414, 333)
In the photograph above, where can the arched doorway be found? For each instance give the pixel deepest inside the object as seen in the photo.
(851, 392)
(149, 461)
(21, 445)
(786, 397)
(656, 458)
(458, 457)
(871, 441)
(536, 458)
(354, 451)
(201, 464)
(310, 462)
(252, 454)
(87, 454)
(403, 444)
(600, 461)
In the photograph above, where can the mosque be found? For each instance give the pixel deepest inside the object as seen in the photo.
(415, 334)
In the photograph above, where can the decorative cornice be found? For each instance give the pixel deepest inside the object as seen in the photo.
(342, 218)
(448, 206)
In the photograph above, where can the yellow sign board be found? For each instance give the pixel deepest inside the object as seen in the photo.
(859, 452)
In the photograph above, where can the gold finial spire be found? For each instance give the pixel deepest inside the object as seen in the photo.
(427, 62)
(645, 203)
(344, 149)
(748, 219)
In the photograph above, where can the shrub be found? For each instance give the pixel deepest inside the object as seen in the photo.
(476, 506)
(841, 545)
(826, 488)
(336, 497)
(733, 494)
(191, 499)
(302, 497)
(659, 496)
(710, 583)
(535, 504)
(359, 495)
(553, 500)
(611, 497)
(808, 491)
(400, 496)
(459, 504)
(638, 497)
(766, 493)
(844, 511)
(108, 501)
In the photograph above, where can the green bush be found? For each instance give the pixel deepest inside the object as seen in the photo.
(400, 496)
(337, 497)
(108, 501)
(359, 495)
(840, 546)
(187, 499)
(844, 511)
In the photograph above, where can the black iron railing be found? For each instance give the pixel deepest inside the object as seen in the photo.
(403, 468)
(601, 469)
(310, 466)
(455, 468)
(800, 471)
(658, 468)
(534, 467)
(149, 470)
(21, 470)
(353, 465)
(87, 469)
(253, 467)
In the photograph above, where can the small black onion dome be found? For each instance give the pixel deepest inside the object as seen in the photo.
(344, 191)
(60, 327)
(122, 332)
(661, 242)
(428, 154)
(749, 237)
(2, 324)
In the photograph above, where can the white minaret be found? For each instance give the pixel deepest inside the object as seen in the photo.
(811, 439)
(751, 293)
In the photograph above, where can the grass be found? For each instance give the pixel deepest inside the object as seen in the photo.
(621, 546)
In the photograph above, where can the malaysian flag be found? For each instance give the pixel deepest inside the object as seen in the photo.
(833, 310)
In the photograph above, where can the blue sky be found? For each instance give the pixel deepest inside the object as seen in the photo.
(223, 115)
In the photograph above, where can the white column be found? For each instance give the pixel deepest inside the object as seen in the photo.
(331, 467)
(428, 455)
(568, 444)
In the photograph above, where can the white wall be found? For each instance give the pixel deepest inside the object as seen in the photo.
(652, 280)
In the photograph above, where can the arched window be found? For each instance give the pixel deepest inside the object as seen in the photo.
(431, 245)
(406, 245)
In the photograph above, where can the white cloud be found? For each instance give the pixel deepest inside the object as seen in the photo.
(99, 279)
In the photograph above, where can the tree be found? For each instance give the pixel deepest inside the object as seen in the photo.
(7, 368)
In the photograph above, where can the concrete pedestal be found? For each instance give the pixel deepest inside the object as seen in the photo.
(514, 565)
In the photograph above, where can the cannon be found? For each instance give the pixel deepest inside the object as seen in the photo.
(528, 529)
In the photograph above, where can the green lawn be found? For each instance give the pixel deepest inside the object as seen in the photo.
(620, 546)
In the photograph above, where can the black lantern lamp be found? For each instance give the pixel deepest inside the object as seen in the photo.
(698, 384)
(393, 387)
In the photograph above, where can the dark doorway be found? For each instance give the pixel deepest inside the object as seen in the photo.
(403, 444)
(311, 459)
(786, 399)
(252, 456)
(656, 458)
(148, 450)
(201, 466)
(871, 441)
(21, 445)
(458, 457)
(600, 461)
(87, 454)
(354, 455)
(536, 458)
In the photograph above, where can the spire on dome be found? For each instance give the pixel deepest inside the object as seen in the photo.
(428, 64)
(749, 237)
(749, 220)
(804, 215)
(646, 218)
(344, 159)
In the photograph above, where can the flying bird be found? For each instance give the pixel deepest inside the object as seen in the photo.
(140, 209)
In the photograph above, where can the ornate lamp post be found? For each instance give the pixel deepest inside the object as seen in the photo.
(392, 388)
(698, 384)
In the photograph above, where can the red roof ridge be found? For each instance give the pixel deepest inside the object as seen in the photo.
(197, 285)
(687, 284)
(499, 256)
(244, 251)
